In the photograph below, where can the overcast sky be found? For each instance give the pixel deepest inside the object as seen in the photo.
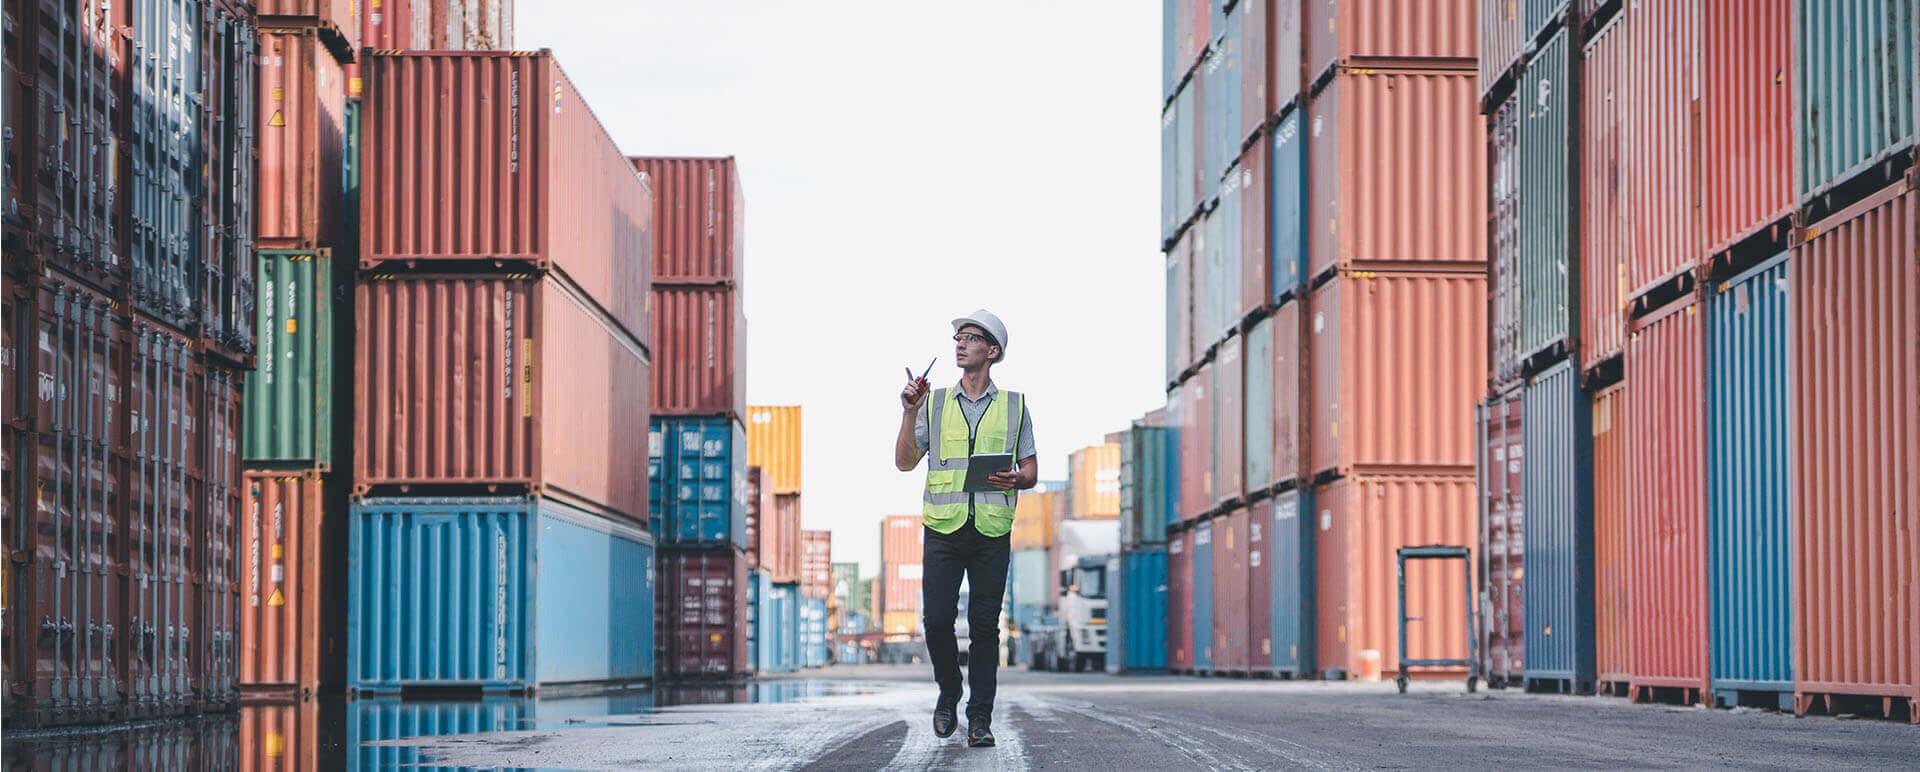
(905, 163)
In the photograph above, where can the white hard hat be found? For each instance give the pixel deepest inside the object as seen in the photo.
(985, 320)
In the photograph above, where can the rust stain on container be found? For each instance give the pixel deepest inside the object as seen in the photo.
(493, 156)
(1397, 172)
(700, 219)
(1362, 522)
(1440, 33)
(1613, 624)
(701, 341)
(1603, 224)
(281, 595)
(299, 124)
(773, 444)
(1856, 429)
(491, 379)
(1371, 334)
(1746, 117)
(1666, 499)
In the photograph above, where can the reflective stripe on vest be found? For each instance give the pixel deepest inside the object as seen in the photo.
(944, 504)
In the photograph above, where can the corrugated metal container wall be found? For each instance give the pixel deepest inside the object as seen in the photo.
(1503, 628)
(1287, 576)
(1189, 142)
(282, 639)
(1545, 120)
(1503, 36)
(1363, 521)
(1749, 482)
(1034, 515)
(1260, 580)
(1604, 178)
(1230, 583)
(217, 532)
(1204, 621)
(702, 599)
(595, 600)
(1257, 423)
(705, 486)
(1256, 68)
(1196, 445)
(786, 526)
(1182, 266)
(1613, 656)
(900, 568)
(492, 379)
(1667, 499)
(76, 218)
(1223, 98)
(700, 346)
(1169, 47)
(337, 17)
(1286, 49)
(302, 102)
(1541, 13)
(370, 721)
(1141, 610)
(700, 219)
(1287, 193)
(1660, 141)
(453, 168)
(759, 504)
(1093, 482)
(1179, 602)
(816, 563)
(164, 489)
(1371, 201)
(1289, 378)
(1171, 216)
(773, 444)
(1227, 266)
(1254, 267)
(1371, 335)
(1438, 33)
(1504, 269)
(1557, 491)
(1856, 89)
(1856, 287)
(283, 735)
(1228, 446)
(1746, 118)
(1150, 485)
(289, 397)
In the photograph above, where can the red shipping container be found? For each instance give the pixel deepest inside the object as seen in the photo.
(1254, 216)
(386, 25)
(1259, 598)
(1603, 180)
(1182, 262)
(1660, 141)
(700, 351)
(1666, 498)
(1613, 625)
(781, 551)
(451, 385)
(282, 639)
(1746, 118)
(300, 128)
(1256, 69)
(1370, 336)
(1503, 542)
(816, 562)
(1196, 445)
(1179, 603)
(338, 18)
(1857, 437)
(1363, 522)
(702, 602)
(759, 513)
(1289, 381)
(1285, 53)
(900, 567)
(457, 164)
(164, 495)
(1396, 168)
(700, 219)
(1229, 423)
(1230, 585)
(1391, 33)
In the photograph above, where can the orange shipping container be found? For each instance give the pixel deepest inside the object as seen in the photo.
(1603, 227)
(1390, 33)
(898, 622)
(1371, 336)
(780, 548)
(1363, 521)
(773, 444)
(900, 568)
(282, 597)
(302, 104)
(1612, 624)
(1035, 518)
(285, 737)
(1093, 483)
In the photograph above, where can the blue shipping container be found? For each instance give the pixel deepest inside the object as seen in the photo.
(1203, 595)
(1287, 202)
(697, 471)
(1137, 613)
(454, 591)
(813, 632)
(1290, 560)
(780, 628)
(1558, 561)
(1749, 501)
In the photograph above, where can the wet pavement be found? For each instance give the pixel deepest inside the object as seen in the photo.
(877, 717)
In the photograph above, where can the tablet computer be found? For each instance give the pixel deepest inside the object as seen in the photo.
(982, 466)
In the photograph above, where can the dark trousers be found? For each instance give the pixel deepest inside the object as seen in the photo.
(983, 561)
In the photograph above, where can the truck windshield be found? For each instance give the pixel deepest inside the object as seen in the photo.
(1092, 583)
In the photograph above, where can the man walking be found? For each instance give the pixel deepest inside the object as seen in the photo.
(966, 532)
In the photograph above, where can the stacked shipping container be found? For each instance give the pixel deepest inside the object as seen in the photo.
(788, 555)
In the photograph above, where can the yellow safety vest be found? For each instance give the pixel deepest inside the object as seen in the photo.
(949, 446)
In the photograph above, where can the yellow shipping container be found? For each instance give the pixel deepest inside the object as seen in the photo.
(1035, 516)
(773, 444)
(1093, 477)
(902, 622)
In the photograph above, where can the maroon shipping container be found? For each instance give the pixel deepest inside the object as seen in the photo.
(1746, 118)
(702, 600)
(1659, 141)
(337, 17)
(1179, 603)
(1259, 598)
(1289, 380)
(1603, 189)
(498, 380)
(700, 219)
(1396, 167)
(1286, 56)
(1230, 585)
(1228, 458)
(759, 508)
(1256, 69)
(493, 156)
(1391, 33)
(217, 637)
(1196, 443)
(1254, 216)
(700, 351)
(301, 120)
(816, 560)
(1666, 501)
(1856, 429)
(1181, 262)
(1503, 632)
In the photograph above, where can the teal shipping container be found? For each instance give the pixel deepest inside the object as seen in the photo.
(1202, 609)
(1545, 248)
(813, 632)
(1287, 204)
(289, 396)
(780, 627)
(1749, 485)
(701, 473)
(1257, 412)
(498, 593)
(1149, 484)
(1290, 569)
(1137, 612)
(1856, 63)
(1558, 561)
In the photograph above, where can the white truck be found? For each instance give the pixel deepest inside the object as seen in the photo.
(1078, 640)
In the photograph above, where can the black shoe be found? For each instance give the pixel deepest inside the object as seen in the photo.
(978, 735)
(943, 720)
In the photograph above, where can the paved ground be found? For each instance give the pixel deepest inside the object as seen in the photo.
(877, 717)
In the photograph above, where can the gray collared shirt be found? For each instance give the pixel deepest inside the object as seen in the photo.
(973, 409)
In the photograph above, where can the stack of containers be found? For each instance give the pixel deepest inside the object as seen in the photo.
(699, 411)
(1137, 575)
(500, 372)
(816, 564)
(1093, 483)
(897, 588)
(128, 295)
(1032, 587)
(773, 444)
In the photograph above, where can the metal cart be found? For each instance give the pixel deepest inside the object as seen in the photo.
(1472, 662)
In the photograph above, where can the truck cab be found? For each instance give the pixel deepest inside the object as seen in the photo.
(1080, 640)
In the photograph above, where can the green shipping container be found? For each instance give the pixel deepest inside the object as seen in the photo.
(1545, 250)
(1857, 98)
(289, 396)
